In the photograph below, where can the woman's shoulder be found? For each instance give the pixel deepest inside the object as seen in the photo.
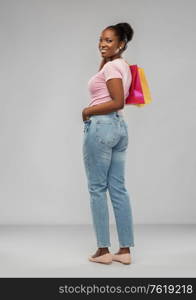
(116, 62)
(119, 63)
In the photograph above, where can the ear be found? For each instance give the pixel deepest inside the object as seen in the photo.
(122, 45)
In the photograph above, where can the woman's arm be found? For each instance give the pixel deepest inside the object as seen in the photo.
(115, 87)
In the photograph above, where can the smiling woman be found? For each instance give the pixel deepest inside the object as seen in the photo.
(109, 95)
(105, 143)
(113, 39)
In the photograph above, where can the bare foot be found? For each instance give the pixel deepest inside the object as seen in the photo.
(100, 251)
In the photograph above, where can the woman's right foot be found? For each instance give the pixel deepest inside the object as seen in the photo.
(123, 250)
(123, 256)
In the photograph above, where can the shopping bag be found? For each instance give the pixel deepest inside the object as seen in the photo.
(139, 92)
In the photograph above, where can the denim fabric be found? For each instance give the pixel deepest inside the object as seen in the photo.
(105, 140)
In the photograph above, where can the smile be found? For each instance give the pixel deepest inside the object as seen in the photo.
(103, 51)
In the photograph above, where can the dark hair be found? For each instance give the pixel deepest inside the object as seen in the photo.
(124, 31)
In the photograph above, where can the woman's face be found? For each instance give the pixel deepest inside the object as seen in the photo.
(109, 44)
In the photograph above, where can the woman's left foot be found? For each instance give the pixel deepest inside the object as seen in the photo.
(104, 258)
(100, 251)
(102, 255)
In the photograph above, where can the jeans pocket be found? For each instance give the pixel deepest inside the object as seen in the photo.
(86, 125)
(126, 125)
(126, 138)
(106, 133)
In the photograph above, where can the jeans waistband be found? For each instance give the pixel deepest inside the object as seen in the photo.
(113, 114)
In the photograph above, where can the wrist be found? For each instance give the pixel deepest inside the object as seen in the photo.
(87, 111)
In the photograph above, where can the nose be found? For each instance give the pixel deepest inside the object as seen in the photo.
(102, 46)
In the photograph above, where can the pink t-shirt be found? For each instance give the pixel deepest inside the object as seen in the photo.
(117, 68)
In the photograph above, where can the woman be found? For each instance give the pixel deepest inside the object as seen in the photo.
(105, 143)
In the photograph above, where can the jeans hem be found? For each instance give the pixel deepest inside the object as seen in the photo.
(125, 246)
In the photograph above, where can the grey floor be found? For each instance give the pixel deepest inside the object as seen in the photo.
(62, 251)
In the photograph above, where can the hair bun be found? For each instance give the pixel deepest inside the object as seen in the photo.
(127, 29)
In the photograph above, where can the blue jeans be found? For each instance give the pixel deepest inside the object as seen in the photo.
(105, 140)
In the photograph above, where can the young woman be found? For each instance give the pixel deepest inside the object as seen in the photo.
(105, 143)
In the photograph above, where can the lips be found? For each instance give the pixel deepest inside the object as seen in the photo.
(103, 51)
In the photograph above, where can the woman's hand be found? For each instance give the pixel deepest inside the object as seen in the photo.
(85, 115)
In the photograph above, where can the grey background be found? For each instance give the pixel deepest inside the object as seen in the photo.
(48, 52)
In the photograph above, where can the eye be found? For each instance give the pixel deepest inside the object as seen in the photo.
(108, 40)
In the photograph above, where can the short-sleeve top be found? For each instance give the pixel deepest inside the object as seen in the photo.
(117, 68)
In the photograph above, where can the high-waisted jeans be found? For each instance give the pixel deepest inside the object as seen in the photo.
(105, 140)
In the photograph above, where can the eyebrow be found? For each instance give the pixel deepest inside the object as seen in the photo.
(106, 37)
